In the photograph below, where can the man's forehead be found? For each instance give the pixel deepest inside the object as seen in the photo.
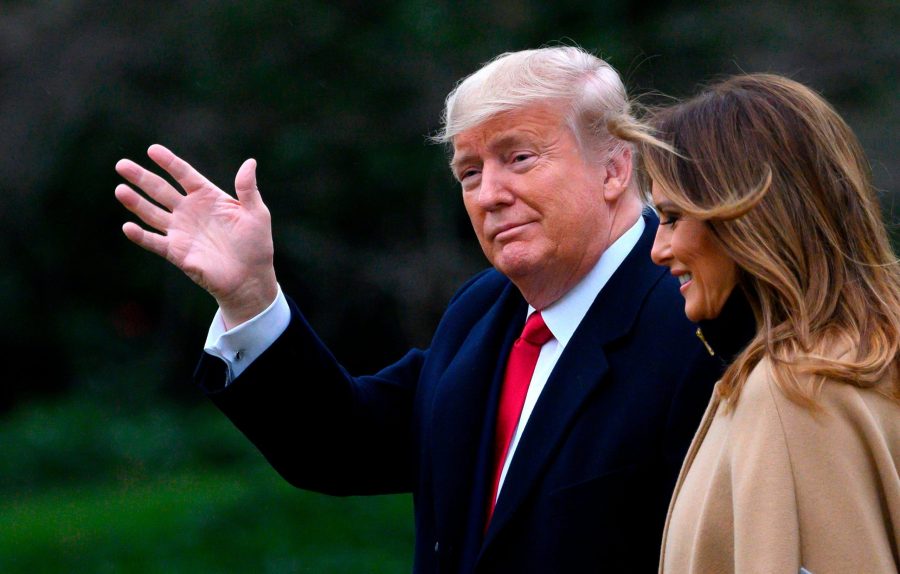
(508, 126)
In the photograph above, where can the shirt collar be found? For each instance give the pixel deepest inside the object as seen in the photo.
(564, 316)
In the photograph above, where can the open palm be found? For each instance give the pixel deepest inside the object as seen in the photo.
(223, 244)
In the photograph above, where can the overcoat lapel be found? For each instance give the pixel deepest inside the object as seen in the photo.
(579, 372)
(463, 396)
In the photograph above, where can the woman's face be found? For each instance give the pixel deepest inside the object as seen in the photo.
(686, 246)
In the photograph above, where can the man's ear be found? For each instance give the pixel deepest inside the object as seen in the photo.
(618, 175)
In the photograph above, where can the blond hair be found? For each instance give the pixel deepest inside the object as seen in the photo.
(785, 188)
(588, 88)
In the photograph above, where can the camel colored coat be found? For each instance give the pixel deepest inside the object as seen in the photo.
(771, 487)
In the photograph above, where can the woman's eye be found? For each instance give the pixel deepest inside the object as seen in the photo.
(669, 219)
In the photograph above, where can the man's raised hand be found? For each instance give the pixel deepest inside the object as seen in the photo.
(223, 244)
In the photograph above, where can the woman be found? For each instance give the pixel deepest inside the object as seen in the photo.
(769, 219)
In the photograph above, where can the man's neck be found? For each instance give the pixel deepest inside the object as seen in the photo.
(564, 315)
(546, 289)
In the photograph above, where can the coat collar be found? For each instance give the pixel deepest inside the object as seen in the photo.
(459, 446)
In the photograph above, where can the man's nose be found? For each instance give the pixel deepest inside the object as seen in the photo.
(495, 189)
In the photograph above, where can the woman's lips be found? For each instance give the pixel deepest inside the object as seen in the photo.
(684, 279)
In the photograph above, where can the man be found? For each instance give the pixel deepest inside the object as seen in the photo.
(554, 454)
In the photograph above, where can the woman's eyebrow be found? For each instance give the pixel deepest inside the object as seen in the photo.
(664, 205)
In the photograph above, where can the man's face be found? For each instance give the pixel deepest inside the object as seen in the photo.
(535, 200)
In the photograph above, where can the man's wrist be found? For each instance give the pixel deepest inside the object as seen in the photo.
(254, 297)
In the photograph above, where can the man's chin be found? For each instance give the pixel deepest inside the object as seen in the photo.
(518, 268)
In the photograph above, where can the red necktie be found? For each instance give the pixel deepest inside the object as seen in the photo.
(519, 370)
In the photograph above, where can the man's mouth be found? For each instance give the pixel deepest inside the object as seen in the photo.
(509, 229)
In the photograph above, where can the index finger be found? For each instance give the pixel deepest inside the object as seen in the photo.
(189, 178)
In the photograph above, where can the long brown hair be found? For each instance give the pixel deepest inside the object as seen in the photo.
(785, 187)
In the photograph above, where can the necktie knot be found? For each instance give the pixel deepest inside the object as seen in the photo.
(536, 331)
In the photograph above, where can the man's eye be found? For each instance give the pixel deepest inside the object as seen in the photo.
(519, 157)
(467, 173)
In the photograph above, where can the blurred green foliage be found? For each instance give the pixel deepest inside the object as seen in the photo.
(89, 489)
(108, 461)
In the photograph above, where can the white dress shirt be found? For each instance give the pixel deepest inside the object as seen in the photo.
(242, 345)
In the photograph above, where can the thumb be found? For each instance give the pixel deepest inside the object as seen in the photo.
(245, 185)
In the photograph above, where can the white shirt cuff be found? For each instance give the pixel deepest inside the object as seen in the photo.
(242, 345)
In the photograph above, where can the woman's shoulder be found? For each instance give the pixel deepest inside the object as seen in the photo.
(837, 464)
(839, 408)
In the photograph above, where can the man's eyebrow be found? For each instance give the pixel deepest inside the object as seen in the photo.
(501, 141)
(509, 139)
(528, 138)
(460, 159)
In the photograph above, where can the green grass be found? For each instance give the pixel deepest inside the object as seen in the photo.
(230, 513)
